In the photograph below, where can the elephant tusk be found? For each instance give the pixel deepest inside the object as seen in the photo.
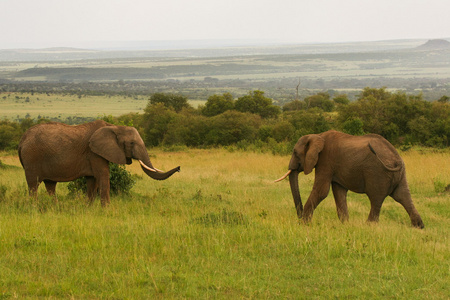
(284, 176)
(147, 167)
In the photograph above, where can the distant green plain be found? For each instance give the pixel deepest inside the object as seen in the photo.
(15, 106)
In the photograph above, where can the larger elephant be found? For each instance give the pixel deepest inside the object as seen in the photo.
(56, 152)
(363, 164)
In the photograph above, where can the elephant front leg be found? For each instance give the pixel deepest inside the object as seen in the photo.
(319, 192)
(104, 187)
(340, 198)
(91, 189)
(100, 167)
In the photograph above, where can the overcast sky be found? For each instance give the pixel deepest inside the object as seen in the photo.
(71, 23)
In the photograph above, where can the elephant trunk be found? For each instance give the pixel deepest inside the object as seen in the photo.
(155, 173)
(293, 180)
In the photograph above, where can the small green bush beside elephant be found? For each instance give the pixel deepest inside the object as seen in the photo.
(121, 181)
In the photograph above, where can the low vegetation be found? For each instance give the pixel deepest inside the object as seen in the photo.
(254, 122)
(222, 229)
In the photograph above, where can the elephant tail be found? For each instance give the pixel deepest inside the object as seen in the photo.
(398, 164)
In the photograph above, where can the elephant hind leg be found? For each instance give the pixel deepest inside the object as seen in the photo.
(375, 209)
(33, 183)
(50, 186)
(376, 201)
(340, 197)
(403, 196)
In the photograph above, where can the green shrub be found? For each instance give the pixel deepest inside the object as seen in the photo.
(353, 126)
(439, 185)
(121, 181)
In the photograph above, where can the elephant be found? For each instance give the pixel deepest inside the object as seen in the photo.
(366, 164)
(55, 152)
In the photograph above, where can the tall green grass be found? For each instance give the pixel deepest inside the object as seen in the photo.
(221, 229)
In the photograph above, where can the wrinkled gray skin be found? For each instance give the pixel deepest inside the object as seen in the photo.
(363, 164)
(56, 152)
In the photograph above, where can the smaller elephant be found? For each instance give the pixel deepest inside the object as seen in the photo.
(56, 152)
(363, 164)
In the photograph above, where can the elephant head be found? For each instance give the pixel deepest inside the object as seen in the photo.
(304, 159)
(120, 144)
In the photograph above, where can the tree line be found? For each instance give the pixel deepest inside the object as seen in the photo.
(253, 121)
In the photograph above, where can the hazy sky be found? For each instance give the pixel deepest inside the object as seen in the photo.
(70, 23)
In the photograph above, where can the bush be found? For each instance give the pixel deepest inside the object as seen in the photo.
(231, 127)
(217, 105)
(121, 181)
(186, 129)
(176, 102)
(283, 131)
(155, 122)
(353, 126)
(307, 122)
(256, 103)
(399, 117)
(9, 135)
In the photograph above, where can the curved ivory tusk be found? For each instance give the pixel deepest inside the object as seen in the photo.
(147, 167)
(284, 176)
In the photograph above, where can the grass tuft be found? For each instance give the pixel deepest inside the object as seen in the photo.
(222, 218)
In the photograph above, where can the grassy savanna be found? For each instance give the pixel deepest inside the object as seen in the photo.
(13, 105)
(221, 229)
(20, 105)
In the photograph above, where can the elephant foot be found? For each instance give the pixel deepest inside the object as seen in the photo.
(418, 223)
(306, 219)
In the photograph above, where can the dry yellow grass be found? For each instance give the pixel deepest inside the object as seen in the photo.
(424, 169)
(222, 229)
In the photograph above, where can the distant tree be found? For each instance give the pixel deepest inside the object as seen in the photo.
(187, 129)
(378, 94)
(218, 104)
(231, 127)
(177, 102)
(341, 99)
(283, 131)
(308, 121)
(398, 117)
(256, 103)
(156, 121)
(444, 99)
(353, 126)
(320, 100)
(294, 105)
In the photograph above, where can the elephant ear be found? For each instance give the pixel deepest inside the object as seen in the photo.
(104, 143)
(314, 146)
